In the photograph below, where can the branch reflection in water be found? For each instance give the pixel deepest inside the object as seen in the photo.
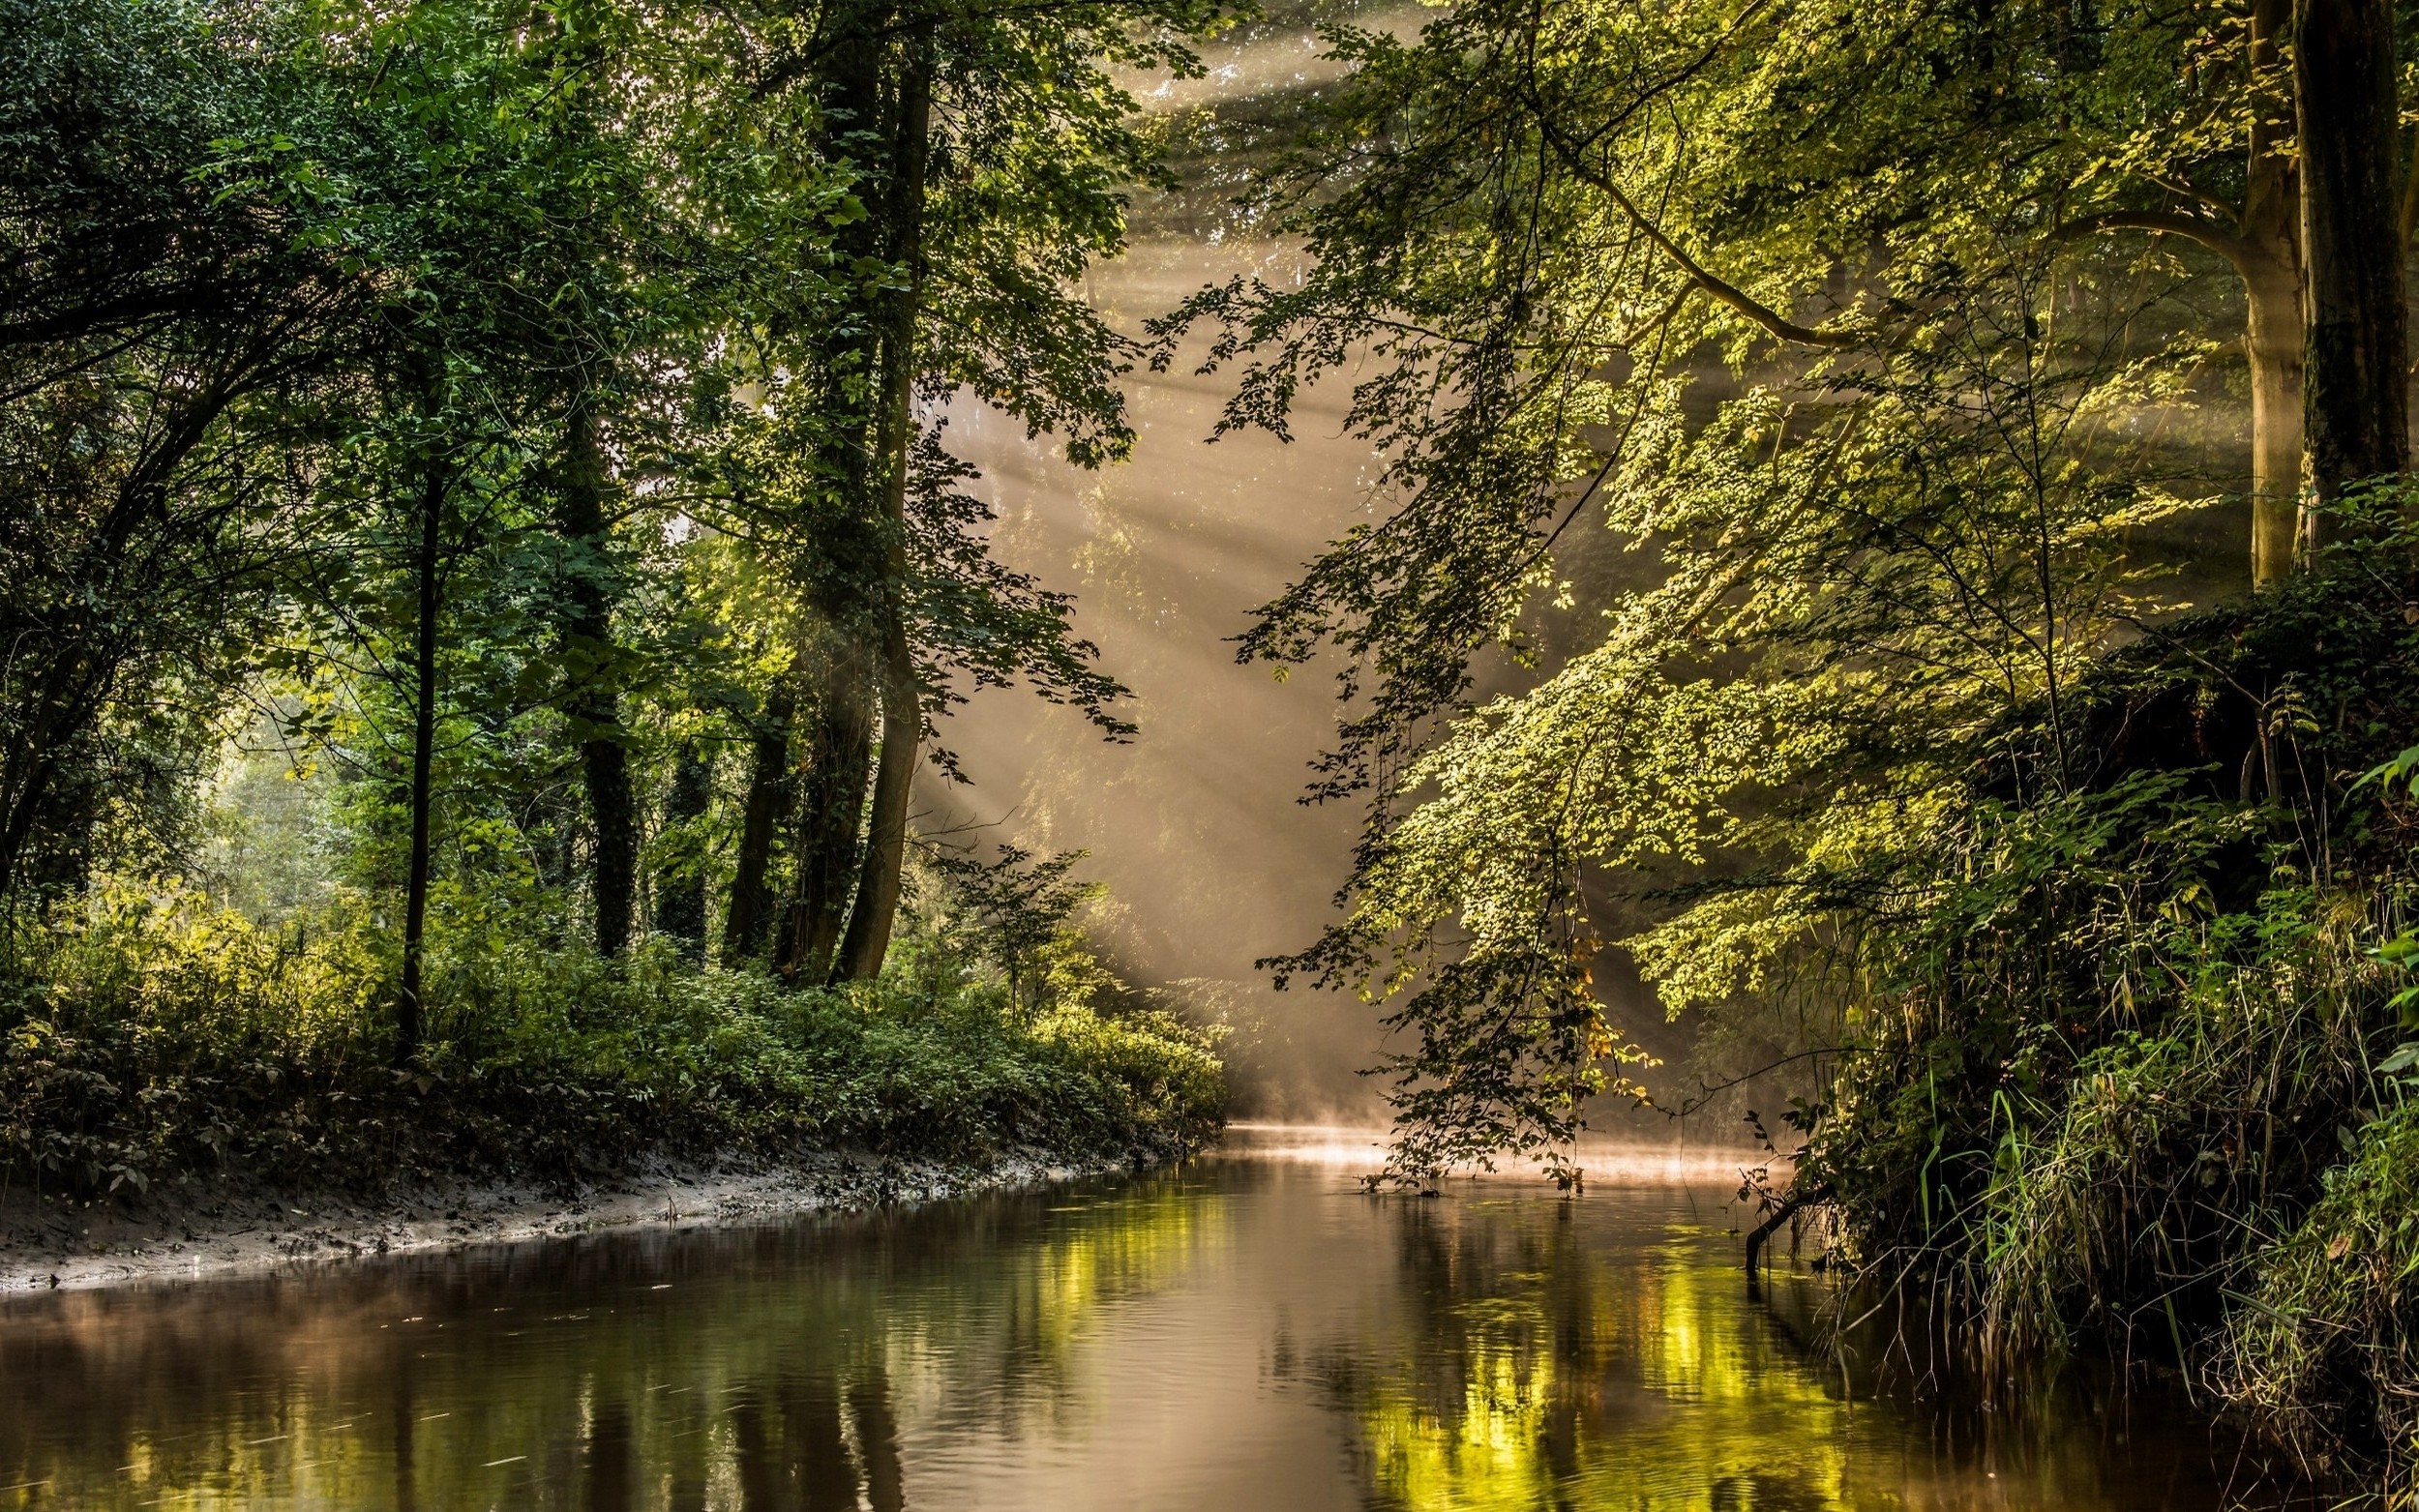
(1249, 1332)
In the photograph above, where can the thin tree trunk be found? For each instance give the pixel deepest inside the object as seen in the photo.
(411, 1011)
(868, 940)
(832, 818)
(594, 703)
(746, 921)
(2272, 341)
(2355, 387)
(2271, 270)
(680, 886)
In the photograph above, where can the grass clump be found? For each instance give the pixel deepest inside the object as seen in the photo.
(2324, 1341)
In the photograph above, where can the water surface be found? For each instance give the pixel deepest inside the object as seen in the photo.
(1247, 1333)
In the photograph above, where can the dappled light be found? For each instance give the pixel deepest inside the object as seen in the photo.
(1411, 755)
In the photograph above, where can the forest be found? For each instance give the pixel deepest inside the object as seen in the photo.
(473, 555)
(485, 566)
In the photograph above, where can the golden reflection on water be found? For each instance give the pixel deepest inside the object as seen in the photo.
(1249, 1333)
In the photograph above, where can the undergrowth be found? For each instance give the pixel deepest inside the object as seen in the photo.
(152, 1034)
(2132, 1047)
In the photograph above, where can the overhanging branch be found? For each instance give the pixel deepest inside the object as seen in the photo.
(2164, 223)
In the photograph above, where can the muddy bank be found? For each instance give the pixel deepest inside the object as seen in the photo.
(210, 1228)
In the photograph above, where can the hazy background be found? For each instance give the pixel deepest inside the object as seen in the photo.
(1212, 862)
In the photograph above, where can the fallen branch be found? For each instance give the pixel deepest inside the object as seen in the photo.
(1780, 1215)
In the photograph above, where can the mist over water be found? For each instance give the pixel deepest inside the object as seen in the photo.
(1211, 860)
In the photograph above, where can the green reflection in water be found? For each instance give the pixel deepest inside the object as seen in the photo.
(1545, 1360)
(750, 1370)
(1248, 1335)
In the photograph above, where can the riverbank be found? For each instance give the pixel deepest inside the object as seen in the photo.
(206, 1230)
(178, 1089)
(181, 1093)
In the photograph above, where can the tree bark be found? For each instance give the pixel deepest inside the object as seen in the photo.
(2272, 338)
(833, 816)
(868, 940)
(746, 921)
(2355, 385)
(680, 885)
(2272, 341)
(593, 702)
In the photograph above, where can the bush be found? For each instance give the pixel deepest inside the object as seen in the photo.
(158, 1034)
(2127, 1059)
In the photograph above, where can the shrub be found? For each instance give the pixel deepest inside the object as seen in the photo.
(156, 1034)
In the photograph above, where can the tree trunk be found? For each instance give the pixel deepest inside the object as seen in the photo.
(680, 885)
(2271, 269)
(832, 818)
(745, 923)
(411, 1015)
(2272, 341)
(2355, 386)
(593, 702)
(868, 940)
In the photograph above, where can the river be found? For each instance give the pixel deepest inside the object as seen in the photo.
(1249, 1332)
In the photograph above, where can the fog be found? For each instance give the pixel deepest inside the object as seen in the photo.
(1210, 861)
(1196, 827)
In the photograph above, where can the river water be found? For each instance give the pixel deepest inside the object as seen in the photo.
(1249, 1332)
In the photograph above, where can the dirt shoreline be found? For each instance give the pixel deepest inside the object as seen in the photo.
(204, 1229)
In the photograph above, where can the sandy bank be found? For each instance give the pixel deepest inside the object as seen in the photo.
(205, 1228)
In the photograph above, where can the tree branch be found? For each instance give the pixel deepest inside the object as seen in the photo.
(1780, 1215)
(2164, 223)
(1721, 289)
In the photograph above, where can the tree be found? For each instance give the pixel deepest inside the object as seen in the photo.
(953, 278)
(2348, 115)
(1891, 534)
(162, 291)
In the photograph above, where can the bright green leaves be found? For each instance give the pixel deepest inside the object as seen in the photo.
(1773, 293)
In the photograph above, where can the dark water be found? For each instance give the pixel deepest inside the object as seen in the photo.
(1249, 1333)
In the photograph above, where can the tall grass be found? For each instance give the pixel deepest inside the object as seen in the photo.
(2133, 1053)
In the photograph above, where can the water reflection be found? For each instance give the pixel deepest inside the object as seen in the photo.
(1246, 1334)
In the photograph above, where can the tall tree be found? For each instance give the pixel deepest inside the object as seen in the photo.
(867, 942)
(426, 483)
(955, 279)
(2352, 247)
(591, 701)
